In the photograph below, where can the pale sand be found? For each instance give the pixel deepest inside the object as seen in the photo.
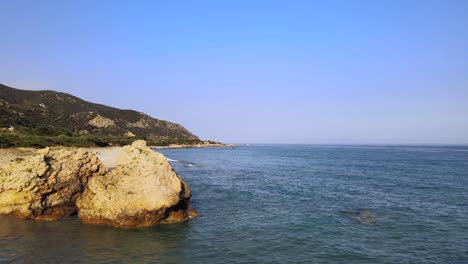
(10, 154)
(108, 156)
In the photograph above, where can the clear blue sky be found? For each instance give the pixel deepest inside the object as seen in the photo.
(255, 71)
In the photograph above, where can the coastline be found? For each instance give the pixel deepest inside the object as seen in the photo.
(180, 146)
(107, 155)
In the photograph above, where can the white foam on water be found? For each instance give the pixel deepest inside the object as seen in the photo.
(168, 159)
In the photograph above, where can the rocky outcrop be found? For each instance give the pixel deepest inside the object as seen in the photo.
(142, 190)
(100, 121)
(46, 185)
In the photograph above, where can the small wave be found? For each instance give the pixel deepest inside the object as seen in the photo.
(168, 159)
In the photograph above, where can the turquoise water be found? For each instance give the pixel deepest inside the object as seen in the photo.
(283, 204)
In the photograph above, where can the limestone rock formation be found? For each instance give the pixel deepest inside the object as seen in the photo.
(100, 121)
(142, 190)
(46, 185)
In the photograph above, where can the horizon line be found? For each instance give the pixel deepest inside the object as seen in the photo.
(360, 144)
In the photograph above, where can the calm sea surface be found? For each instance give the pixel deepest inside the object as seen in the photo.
(283, 204)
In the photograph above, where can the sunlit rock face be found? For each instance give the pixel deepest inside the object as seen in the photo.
(142, 190)
(46, 185)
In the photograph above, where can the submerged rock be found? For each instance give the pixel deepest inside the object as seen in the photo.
(46, 185)
(142, 190)
(363, 216)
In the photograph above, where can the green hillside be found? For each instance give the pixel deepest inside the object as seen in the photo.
(55, 118)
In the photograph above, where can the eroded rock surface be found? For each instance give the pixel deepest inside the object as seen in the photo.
(100, 121)
(46, 185)
(142, 190)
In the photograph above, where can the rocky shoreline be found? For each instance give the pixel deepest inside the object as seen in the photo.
(138, 188)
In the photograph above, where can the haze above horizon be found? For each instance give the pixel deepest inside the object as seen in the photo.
(314, 72)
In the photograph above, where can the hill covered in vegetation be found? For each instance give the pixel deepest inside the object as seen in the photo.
(43, 118)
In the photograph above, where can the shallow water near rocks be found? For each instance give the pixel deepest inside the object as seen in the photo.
(283, 204)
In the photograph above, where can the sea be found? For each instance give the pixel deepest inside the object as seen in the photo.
(283, 204)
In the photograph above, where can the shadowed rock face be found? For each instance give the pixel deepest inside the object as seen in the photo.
(46, 185)
(142, 190)
(360, 215)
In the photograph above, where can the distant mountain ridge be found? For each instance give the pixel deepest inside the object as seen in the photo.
(25, 110)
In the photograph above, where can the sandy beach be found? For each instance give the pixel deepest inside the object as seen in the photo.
(10, 154)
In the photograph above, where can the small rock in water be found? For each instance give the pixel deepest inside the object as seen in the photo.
(363, 216)
(192, 213)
